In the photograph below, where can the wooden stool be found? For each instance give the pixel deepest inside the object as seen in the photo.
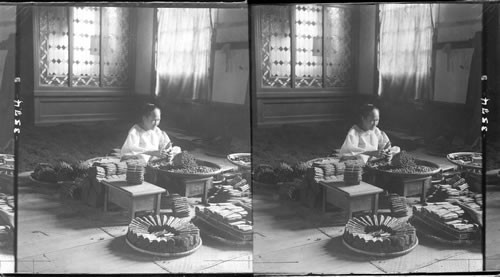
(143, 197)
(356, 198)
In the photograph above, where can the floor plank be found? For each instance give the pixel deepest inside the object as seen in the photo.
(108, 256)
(243, 264)
(321, 257)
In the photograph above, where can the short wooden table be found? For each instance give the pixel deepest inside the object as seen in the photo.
(143, 197)
(187, 187)
(406, 186)
(355, 198)
(194, 187)
(416, 186)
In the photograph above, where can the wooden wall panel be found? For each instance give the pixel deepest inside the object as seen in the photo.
(50, 110)
(301, 110)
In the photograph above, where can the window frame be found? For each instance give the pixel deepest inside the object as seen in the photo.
(293, 91)
(70, 90)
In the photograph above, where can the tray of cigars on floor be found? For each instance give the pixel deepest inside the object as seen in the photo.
(467, 160)
(243, 160)
(379, 236)
(446, 223)
(164, 236)
(228, 223)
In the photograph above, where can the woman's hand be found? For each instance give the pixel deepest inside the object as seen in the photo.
(167, 153)
(388, 155)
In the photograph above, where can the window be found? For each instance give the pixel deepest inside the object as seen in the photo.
(406, 32)
(183, 52)
(405, 50)
(84, 46)
(306, 46)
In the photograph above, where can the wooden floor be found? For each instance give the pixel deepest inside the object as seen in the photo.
(7, 263)
(295, 240)
(492, 254)
(290, 238)
(58, 236)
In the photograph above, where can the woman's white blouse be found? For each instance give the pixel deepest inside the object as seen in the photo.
(359, 141)
(139, 141)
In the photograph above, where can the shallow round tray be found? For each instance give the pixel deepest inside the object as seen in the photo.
(211, 235)
(408, 175)
(171, 255)
(394, 254)
(242, 165)
(90, 162)
(461, 164)
(310, 162)
(218, 170)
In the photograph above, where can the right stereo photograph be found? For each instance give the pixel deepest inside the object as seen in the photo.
(367, 143)
(491, 116)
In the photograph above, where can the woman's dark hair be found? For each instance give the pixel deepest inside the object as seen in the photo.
(147, 109)
(366, 110)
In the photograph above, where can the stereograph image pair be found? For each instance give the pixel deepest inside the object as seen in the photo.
(249, 138)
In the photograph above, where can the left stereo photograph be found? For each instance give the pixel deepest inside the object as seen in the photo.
(7, 97)
(135, 145)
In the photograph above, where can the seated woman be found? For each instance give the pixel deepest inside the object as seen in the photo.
(365, 140)
(146, 141)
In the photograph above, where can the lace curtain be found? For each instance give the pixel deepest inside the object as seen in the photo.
(184, 53)
(405, 51)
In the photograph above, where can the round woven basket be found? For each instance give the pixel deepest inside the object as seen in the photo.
(370, 167)
(217, 170)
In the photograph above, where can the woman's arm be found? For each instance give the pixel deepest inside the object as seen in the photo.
(132, 147)
(350, 147)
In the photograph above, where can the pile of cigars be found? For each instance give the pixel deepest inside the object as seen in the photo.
(6, 164)
(7, 211)
(332, 169)
(179, 205)
(225, 220)
(327, 169)
(445, 220)
(230, 190)
(108, 168)
(135, 172)
(455, 189)
(398, 205)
